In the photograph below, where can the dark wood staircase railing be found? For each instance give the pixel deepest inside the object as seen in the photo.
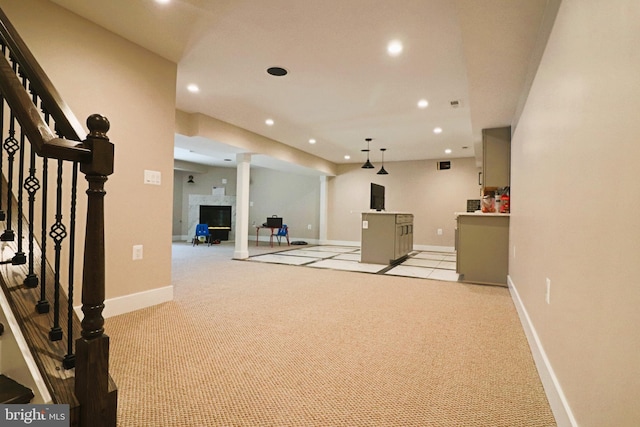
(43, 147)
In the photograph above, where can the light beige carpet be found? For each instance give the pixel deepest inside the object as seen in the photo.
(252, 344)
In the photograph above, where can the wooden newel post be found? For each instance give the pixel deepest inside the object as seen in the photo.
(98, 403)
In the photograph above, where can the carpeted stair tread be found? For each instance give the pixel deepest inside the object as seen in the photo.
(13, 392)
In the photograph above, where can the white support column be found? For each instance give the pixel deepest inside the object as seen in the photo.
(242, 206)
(324, 209)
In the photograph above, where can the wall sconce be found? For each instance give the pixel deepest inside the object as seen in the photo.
(190, 180)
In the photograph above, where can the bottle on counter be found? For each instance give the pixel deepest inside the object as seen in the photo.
(504, 201)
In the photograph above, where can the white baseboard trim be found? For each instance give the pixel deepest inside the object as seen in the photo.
(340, 243)
(182, 238)
(557, 400)
(132, 302)
(283, 239)
(309, 241)
(415, 247)
(433, 248)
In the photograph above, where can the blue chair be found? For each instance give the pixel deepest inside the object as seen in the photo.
(282, 232)
(202, 235)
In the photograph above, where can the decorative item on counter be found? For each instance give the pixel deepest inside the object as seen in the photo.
(473, 205)
(488, 203)
(504, 199)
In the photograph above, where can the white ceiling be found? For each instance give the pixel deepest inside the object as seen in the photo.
(342, 86)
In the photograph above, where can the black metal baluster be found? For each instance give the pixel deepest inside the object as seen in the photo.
(58, 233)
(32, 185)
(2, 214)
(69, 360)
(19, 257)
(42, 306)
(11, 146)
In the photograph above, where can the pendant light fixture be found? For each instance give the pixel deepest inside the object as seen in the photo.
(367, 164)
(382, 171)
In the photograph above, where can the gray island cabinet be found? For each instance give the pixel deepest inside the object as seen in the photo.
(387, 237)
(482, 246)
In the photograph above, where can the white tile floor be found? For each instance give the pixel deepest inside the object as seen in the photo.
(419, 264)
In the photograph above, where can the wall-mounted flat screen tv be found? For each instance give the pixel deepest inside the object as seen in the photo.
(377, 197)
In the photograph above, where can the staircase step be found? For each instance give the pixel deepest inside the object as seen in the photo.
(13, 392)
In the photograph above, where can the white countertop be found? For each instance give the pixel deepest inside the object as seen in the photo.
(480, 213)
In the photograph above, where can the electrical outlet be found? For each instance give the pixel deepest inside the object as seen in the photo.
(309, 227)
(365, 225)
(137, 252)
(547, 296)
(439, 231)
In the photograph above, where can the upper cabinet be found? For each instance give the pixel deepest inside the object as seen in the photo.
(496, 157)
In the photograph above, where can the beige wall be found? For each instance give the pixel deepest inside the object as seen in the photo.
(295, 198)
(203, 184)
(416, 187)
(575, 208)
(179, 177)
(98, 72)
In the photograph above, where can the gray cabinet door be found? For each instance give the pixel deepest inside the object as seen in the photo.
(496, 157)
(483, 249)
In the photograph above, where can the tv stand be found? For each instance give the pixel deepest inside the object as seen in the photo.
(387, 238)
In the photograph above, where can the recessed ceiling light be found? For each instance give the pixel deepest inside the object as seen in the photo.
(347, 157)
(269, 122)
(163, 1)
(448, 151)
(437, 130)
(193, 88)
(277, 71)
(423, 103)
(312, 141)
(394, 48)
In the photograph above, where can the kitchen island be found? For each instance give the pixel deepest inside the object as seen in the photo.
(482, 246)
(387, 237)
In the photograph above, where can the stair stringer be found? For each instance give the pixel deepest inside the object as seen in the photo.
(16, 360)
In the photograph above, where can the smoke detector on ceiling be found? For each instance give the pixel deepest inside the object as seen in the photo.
(456, 103)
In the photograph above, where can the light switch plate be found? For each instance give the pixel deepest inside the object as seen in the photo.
(137, 252)
(365, 225)
(152, 177)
